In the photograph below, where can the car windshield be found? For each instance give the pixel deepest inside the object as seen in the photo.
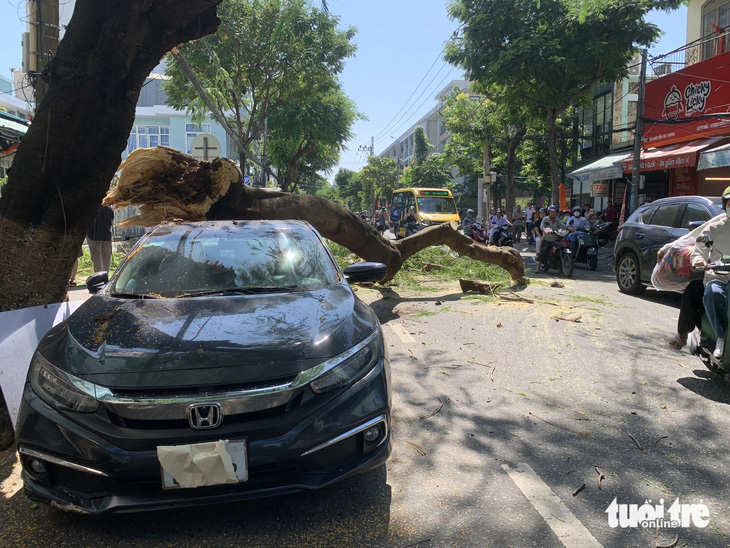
(436, 205)
(194, 261)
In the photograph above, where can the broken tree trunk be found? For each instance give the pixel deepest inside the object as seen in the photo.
(169, 185)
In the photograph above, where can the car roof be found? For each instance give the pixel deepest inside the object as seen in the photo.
(686, 199)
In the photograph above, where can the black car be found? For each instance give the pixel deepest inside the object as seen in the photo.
(649, 228)
(223, 360)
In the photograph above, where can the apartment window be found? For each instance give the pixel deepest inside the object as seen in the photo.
(148, 136)
(715, 15)
(192, 131)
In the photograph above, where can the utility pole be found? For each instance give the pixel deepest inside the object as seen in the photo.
(44, 26)
(371, 152)
(638, 133)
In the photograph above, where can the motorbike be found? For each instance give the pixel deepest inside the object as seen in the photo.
(587, 251)
(503, 238)
(556, 254)
(412, 227)
(605, 231)
(703, 339)
(478, 234)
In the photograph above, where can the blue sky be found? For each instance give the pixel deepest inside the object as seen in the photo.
(397, 69)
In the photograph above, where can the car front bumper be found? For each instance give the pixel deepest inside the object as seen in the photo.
(89, 474)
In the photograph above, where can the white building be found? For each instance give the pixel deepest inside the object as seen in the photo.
(401, 150)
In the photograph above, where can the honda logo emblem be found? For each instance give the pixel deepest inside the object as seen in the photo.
(204, 416)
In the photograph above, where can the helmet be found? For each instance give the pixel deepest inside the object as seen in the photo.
(543, 210)
(412, 207)
(382, 209)
(499, 210)
(725, 196)
(553, 208)
(576, 208)
(470, 212)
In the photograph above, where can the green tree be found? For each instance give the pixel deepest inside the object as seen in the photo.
(266, 53)
(309, 135)
(378, 179)
(350, 188)
(434, 172)
(549, 53)
(421, 146)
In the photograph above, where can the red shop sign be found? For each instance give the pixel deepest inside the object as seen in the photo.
(691, 98)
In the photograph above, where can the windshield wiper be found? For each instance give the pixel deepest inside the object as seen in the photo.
(237, 291)
(130, 295)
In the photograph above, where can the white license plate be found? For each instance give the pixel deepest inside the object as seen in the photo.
(238, 454)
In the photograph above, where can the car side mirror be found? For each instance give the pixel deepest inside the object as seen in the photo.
(96, 281)
(705, 239)
(365, 272)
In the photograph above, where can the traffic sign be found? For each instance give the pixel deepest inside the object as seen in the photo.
(205, 147)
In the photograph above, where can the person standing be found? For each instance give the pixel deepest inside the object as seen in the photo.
(381, 221)
(529, 217)
(518, 222)
(99, 238)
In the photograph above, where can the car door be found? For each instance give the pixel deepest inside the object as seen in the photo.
(663, 228)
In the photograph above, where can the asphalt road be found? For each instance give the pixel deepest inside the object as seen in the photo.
(516, 422)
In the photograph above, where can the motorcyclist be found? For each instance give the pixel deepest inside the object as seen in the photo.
(715, 295)
(497, 222)
(467, 222)
(575, 224)
(411, 221)
(549, 226)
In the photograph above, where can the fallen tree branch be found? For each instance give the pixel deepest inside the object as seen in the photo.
(432, 413)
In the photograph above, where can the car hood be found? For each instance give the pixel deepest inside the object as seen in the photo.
(206, 341)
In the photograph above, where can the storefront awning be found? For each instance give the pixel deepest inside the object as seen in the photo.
(605, 168)
(670, 157)
(717, 157)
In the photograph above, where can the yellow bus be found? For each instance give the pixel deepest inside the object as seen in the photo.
(433, 206)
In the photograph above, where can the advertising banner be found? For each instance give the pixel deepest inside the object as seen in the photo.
(690, 103)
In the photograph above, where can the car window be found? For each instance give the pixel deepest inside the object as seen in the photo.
(177, 262)
(695, 212)
(642, 215)
(664, 215)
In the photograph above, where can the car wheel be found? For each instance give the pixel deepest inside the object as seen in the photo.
(602, 240)
(592, 262)
(566, 265)
(628, 275)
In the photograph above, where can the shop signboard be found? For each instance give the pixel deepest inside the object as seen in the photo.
(599, 190)
(690, 103)
(684, 182)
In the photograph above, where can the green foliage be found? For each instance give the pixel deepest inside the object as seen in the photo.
(434, 172)
(269, 55)
(421, 146)
(549, 53)
(350, 189)
(412, 274)
(378, 180)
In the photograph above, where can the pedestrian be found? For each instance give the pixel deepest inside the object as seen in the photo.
(529, 217)
(99, 238)
(381, 221)
(518, 222)
(75, 268)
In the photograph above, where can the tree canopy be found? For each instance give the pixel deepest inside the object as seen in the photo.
(269, 62)
(550, 53)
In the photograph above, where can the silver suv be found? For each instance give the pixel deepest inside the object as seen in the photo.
(649, 228)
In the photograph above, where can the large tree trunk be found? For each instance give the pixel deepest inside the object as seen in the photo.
(66, 161)
(552, 144)
(167, 184)
(513, 141)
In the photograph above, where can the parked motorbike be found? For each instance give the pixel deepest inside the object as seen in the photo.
(556, 254)
(702, 341)
(605, 231)
(587, 251)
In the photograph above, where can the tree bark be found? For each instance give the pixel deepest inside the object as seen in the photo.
(552, 144)
(66, 161)
(513, 141)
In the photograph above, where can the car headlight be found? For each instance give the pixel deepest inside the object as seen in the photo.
(347, 368)
(60, 389)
